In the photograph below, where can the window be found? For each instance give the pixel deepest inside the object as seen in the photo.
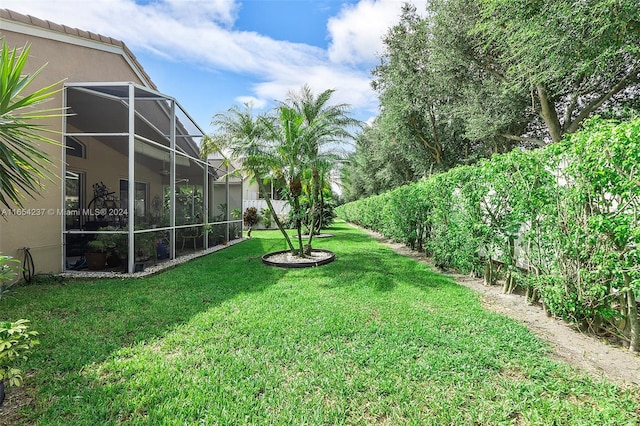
(75, 148)
(74, 199)
(141, 197)
(276, 190)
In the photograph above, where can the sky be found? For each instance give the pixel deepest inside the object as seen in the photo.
(212, 54)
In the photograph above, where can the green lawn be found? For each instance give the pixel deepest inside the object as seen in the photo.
(373, 338)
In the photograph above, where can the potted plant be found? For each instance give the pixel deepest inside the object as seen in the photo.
(96, 255)
(15, 342)
(146, 246)
(115, 246)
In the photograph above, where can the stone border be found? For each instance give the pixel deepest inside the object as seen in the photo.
(319, 236)
(301, 264)
(151, 270)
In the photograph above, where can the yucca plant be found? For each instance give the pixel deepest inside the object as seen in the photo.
(23, 164)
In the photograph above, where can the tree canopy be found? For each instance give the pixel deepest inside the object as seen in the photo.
(465, 79)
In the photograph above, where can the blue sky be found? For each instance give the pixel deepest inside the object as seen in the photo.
(212, 54)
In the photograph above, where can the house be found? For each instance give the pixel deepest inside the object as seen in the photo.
(252, 197)
(127, 171)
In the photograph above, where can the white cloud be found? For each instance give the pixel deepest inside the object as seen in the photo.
(356, 33)
(351, 87)
(252, 101)
(200, 32)
(178, 29)
(224, 12)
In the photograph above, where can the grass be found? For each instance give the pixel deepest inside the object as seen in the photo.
(372, 338)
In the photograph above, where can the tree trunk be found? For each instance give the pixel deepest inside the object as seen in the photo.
(314, 211)
(510, 282)
(296, 209)
(632, 316)
(549, 114)
(267, 198)
(488, 273)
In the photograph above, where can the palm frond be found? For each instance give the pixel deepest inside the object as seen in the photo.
(24, 166)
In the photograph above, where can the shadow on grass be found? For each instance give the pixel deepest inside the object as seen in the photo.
(83, 322)
(361, 260)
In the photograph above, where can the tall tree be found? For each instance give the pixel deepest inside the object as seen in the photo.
(290, 136)
(573, 58)
(325, 124)
(471, 78)
(379, 163)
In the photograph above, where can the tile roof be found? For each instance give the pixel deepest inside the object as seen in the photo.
(11, 15)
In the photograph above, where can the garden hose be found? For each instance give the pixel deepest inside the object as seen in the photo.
(28, 267)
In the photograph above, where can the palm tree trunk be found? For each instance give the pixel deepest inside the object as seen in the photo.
(267, 198)
(315, 200)
(296, 209)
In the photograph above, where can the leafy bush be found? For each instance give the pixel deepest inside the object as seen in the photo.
(15, 343)
(567, 213)
(266, 216)
(251, 217)
(7, 274)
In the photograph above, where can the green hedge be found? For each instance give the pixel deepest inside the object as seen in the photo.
(562, 222)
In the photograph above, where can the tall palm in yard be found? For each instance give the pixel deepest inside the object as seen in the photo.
(285, 144)
(23, 165)
(325, 124)
(243, 136)
(287, 131)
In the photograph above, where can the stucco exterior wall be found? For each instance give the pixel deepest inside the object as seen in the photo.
(42, 233)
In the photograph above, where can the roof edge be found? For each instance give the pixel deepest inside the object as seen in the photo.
(28, 20)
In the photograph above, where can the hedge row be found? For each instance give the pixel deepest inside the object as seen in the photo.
(562, 222)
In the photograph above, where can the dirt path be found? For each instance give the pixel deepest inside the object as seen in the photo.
(597, 358)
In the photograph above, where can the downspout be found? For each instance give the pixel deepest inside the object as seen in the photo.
(241, 206)
(205, 207)
(226, 185)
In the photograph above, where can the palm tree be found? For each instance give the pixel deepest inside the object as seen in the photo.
(286, 144)
(325, 124)
(243, 136)
(286, 130)
(23, 165)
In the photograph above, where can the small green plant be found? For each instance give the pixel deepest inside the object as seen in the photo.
(7, 274)
(15, 340)
(15, 343)
(266, 216)
(96, 246)
(114, 244)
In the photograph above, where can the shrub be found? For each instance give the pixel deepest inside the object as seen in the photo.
(251, 217)
(568, 212)
(15, 343)
(266, 216)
